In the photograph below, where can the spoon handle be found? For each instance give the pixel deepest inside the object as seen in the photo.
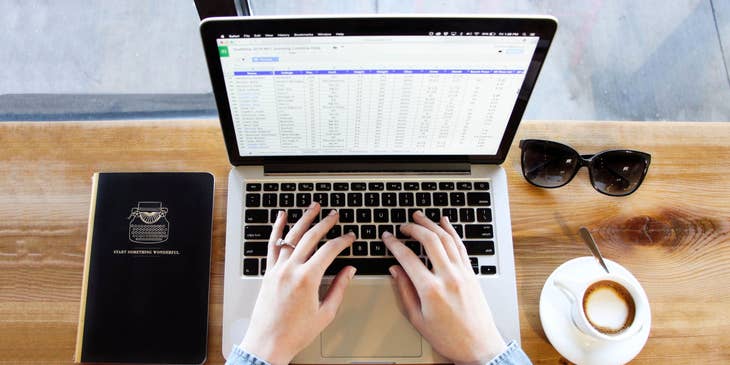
(591, 243)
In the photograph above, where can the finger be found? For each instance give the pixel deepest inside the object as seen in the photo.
(311, 238)
(296, 232)
(336, 293)
(444, 238)
(408, 295)
(407, 258)
(430, 241)
(446, 225)
(272, 254)
(329, 251)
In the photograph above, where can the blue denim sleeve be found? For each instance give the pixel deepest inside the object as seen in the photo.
(513, 355)
(239, 356)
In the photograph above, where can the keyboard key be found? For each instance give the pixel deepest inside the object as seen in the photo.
(250, 267)
(440, 199)
(286, 200)
(428, 186)
(321, 198)
(374, 186)
(337, 199)
(433, 214)
(324, 186)
(354, 199)
(363, 216)
(477, 199)
(446, 186)
(405, 199)
(334, 232)
(256, 216)
(253, 200)
(451, 213)
(423, 199)
(255, 248)
(457, 199)
(306, 186)
(479, 231)
(479, 248)
(459, 229)
(368, 232)
(398, 234)
(358, 186)
(274, 213)
(364, 266)
(385, 228)
(341, 186)
(253, 187)
(380, 215)
(293, 215)
(263, 266)
(394, 186)
(415, 246)
(351, 228)
(463, 185)
(467, 214)
(489, 270)
(325, 212)
(481, 186)
(304, 199)
(398, 215)
(288, 186)
(411, 186)
(359, 248)
(269, 200)
(345, 252)
(257, 232)
(474, 264)
(484, 215)
(372, 199)
(389, 200)
(271, 187)
(377, 248)
(411, 211)
(347, 215)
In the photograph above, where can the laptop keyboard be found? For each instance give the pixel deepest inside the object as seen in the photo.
(368, 209)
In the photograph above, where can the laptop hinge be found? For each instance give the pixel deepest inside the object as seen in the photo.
(368, 168)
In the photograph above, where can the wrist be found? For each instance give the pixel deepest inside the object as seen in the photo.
(493, 349)
(267, 351)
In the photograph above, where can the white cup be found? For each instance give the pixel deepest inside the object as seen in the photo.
(601, 309)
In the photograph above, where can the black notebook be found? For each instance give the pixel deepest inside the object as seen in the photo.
(147, 269)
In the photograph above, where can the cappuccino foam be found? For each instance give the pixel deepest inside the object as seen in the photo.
(608, 307)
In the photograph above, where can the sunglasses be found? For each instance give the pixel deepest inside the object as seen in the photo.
(550, 164)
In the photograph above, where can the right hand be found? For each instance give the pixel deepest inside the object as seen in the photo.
(447, 305)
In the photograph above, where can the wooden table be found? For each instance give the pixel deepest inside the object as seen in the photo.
(673, 233)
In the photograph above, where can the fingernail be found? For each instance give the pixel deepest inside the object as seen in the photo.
(332, 212)
(351, 233)
(311, 205)
(419, 213)
(446, 219)
(393, 271)
(352, 272)
(278, 215)
(387, 234)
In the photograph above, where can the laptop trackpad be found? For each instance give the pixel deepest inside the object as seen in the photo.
(370, 324)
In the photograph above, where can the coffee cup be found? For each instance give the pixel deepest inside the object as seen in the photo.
(607, 307)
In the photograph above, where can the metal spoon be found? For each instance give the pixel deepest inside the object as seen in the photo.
(591, 243)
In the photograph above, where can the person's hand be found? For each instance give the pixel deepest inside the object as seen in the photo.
(288, 314)
(447, 305)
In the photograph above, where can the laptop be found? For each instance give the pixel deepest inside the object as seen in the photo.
(377, 117)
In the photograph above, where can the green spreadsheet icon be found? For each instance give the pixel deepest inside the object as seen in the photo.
(223, 51)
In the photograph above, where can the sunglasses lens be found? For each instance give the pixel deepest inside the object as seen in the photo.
(547, 164)
(618, 172)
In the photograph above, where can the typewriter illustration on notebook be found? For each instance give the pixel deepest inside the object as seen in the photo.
(148, 223)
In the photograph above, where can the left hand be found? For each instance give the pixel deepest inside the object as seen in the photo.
(288, 314)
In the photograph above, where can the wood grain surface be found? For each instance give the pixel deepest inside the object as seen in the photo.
(673, 233)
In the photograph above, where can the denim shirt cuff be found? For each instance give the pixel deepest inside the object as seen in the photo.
(513, 355)
(240, 356)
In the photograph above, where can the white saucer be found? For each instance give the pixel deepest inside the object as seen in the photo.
(567, 339)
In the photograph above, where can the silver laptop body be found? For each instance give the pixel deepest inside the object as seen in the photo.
(405, 112)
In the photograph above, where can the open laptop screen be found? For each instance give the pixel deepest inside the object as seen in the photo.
(437, 91)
